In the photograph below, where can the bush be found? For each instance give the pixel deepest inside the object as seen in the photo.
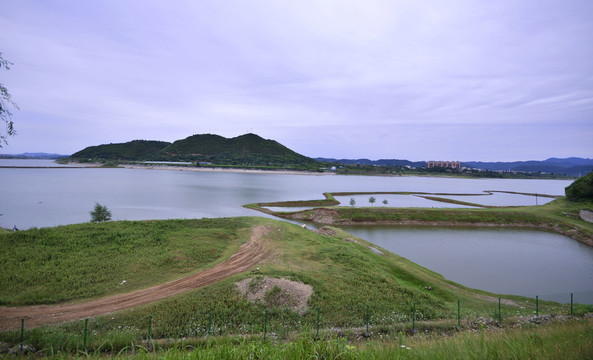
(100, 213)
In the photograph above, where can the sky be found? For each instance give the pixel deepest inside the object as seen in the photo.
(458, 80)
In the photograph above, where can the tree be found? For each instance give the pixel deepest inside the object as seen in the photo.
(5, 101)
(352, 202)
(372, 200)
(100, 213)
(385, 202)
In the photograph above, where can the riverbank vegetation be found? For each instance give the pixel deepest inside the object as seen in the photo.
(353, 282)
(560, 215)
(581, 189)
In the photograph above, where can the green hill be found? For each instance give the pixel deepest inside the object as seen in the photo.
(581, 189)
(133, 150)
(244, 150)
(248, 149)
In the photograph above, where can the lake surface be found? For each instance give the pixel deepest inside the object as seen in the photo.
(504, 261)
(51, 197)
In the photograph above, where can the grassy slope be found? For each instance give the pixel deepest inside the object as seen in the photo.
(345, 275)
(50, 265)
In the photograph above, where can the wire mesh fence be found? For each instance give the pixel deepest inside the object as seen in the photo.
(86, 334)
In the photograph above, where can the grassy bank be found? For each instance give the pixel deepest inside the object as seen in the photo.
(50, 265)
(560, 215)
(347, 275)
(567, 340)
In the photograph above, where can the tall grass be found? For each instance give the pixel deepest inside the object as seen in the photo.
(571, 340)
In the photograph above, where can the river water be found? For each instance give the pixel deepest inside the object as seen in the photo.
(49, 197)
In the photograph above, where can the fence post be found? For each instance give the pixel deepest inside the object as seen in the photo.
(317, 333)
(265, 324)
(414, 318)
(367, 318)
(458, 313)
(149, 329)
(536, 306)
(86, 323)
(570, 304)
(22, 333)
(499, 312)
(209, 322)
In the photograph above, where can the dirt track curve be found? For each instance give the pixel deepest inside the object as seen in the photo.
(248, 255)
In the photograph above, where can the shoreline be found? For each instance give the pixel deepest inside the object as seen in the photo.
(216, 169)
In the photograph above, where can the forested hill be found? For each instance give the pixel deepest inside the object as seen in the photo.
(248, 149)
(133, 150)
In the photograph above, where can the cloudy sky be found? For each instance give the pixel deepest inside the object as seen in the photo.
(419, 80)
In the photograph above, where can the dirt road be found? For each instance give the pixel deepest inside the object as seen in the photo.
(247, 256)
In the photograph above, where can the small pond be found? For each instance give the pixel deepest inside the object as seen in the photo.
(503, 261)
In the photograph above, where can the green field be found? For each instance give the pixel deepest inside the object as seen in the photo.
(347, 277)
(50, 265)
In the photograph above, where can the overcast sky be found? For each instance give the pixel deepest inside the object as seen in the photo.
(419, 80)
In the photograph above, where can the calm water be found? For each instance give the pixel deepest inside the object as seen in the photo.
(50, 197)
(503, 261)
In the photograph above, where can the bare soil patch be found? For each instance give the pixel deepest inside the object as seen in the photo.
(247, 256)
(281, 293)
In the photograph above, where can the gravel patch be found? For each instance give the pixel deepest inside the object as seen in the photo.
(293, 295)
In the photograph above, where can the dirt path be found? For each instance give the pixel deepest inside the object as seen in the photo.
(248, 255)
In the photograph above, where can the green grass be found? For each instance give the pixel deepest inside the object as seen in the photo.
(560, 215)
(345, 276)
(328, 201)
(569, 340)
(50, 265)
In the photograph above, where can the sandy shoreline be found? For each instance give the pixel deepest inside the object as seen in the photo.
(213, 169)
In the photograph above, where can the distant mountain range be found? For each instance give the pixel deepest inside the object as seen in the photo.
(253, 150)
(570, 166)
(248, 149)
(37, 155)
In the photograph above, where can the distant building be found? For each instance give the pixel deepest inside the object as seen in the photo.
(444, 164)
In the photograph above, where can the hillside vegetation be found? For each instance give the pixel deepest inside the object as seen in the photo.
(581, 189)
(346, 275)
(244, 150)
(353, 281)
(133, 150)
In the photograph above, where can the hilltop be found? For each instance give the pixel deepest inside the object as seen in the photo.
(244, 150)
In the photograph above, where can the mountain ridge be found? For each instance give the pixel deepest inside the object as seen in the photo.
(248, 149)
